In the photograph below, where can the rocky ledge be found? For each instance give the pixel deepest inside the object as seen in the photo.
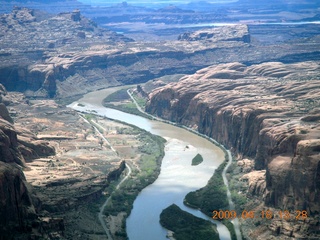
(77, 56)
(234, 33)
(18, 214)
(268, 112)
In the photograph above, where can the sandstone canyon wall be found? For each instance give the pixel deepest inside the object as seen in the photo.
(78, 56)
(18, 205)
(268, 112)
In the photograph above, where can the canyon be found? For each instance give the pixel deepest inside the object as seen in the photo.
(79, 56)
(253, 86)
(267, 114)
(18, 146)
(56, 168)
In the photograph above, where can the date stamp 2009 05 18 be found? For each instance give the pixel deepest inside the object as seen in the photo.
(267, 214)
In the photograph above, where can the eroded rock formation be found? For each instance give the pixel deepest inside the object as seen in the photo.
(267, 112)
(235, 33)
(18, 206)
(30, 36)
(77, 56)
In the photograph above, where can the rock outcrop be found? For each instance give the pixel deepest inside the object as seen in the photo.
(77, 56)
(31, 147)
(25, 41)
(18, 206)
(235, 33)
(19, 145)
(266, 112)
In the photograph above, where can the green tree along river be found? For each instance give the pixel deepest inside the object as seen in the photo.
(177, 177)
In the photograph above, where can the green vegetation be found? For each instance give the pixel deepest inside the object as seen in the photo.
(120, 100)
(231, 229)
(152, 149)
(236, 187)
(197, 160)
(118, 96)
(186, 226)
(140, 100)
(89, 117)
(92, 118)
(67, 100)
(211, 197)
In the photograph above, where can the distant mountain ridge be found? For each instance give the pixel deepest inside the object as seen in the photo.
(54, 6)
(279, 3)
(244, 4)
(41, 1)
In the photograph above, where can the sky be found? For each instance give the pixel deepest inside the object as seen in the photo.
(146, 2)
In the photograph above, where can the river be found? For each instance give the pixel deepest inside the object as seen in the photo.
(177, 176)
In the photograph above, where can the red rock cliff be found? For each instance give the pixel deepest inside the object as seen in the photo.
(17, 203)
(268, 112)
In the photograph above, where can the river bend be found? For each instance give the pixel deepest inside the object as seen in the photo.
(177, 176)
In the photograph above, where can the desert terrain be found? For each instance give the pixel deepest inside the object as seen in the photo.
(250, 81)
(90, 155)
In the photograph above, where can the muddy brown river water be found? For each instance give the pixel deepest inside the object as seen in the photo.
(177, 177)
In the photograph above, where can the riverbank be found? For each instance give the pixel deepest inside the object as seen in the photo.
(143, 157)
(120, 100)
(219, 191)
(214, 186)
(71, 183)
(145, 172)
(189, 144)
(144, 167)
(185, 226)
(213, 197)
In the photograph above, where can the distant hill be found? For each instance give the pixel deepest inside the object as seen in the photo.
(51, 6)
(41, 1)
(279, 2)
(314, 18)
(202, 6)
(173, 9)
(207, 6)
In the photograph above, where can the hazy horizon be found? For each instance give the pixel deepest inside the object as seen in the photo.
(149, 2)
